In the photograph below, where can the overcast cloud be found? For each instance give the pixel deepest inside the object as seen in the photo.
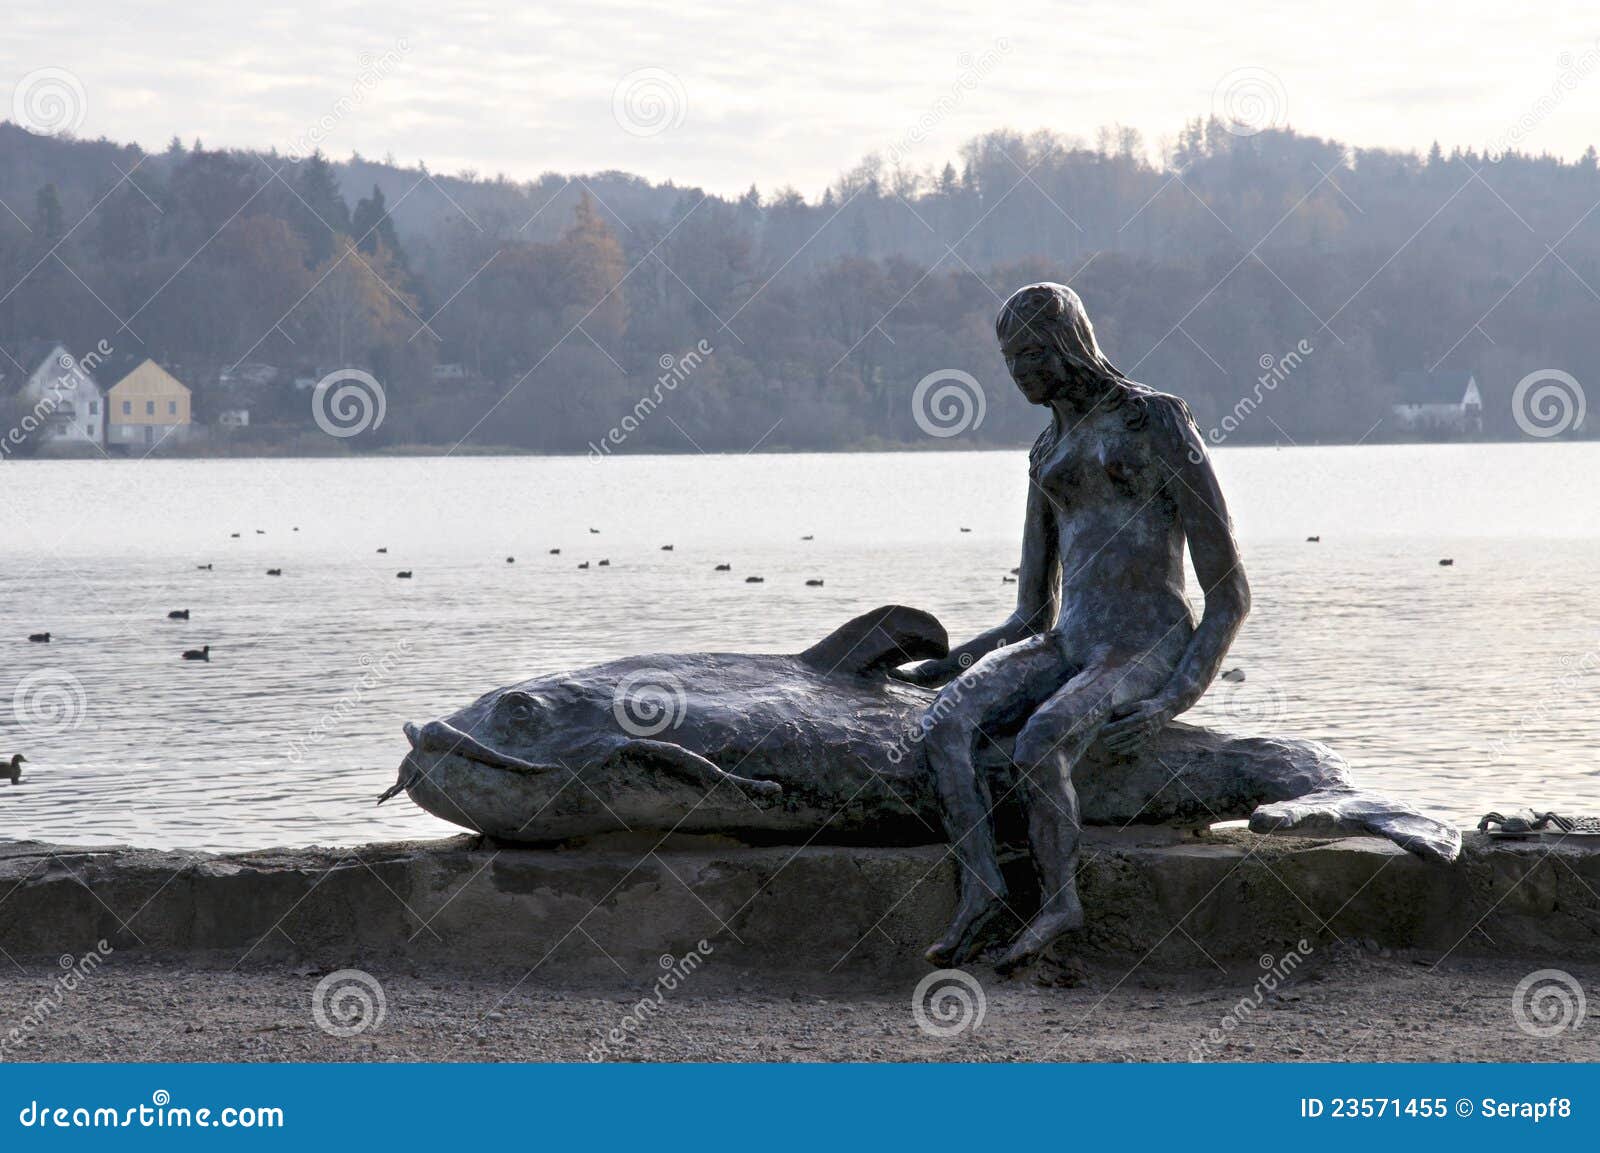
(792, 94)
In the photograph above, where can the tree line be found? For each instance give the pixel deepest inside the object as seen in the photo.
(564, 308)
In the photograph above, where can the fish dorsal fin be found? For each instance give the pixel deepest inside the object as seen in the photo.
(879, 640)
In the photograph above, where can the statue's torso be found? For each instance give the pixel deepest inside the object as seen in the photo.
(1119, 531)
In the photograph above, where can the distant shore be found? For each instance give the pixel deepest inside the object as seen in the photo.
(322, 448)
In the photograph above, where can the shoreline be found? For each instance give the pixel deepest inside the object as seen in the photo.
(292, 451)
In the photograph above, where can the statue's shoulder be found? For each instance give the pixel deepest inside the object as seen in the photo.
(1166, 420)
(1162, 412)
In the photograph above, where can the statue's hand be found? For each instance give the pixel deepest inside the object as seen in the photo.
(1134, 723)
(928, 674)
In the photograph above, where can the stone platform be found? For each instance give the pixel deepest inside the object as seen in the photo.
(1167, 894)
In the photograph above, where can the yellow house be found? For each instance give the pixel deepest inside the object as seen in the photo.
(146, 407)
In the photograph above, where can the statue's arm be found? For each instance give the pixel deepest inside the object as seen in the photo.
(1038, 598)
(1039, 574)
(1215, 554)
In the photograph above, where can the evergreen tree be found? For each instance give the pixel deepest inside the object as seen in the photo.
(374, 228)
(47, 220)
(323, 216)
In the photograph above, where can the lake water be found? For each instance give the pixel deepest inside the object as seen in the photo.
(1460, 688)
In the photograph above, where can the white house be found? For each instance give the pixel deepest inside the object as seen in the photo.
(232, 418)
(1439, 401)
(67, 405)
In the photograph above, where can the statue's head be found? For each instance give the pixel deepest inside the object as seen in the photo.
(1049, 345)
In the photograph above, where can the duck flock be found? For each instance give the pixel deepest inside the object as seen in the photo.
(11, 769)
(203, 653)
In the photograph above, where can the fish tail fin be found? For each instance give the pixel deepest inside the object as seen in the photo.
(879, 640)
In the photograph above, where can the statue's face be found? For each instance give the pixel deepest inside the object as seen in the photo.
(1037, 367)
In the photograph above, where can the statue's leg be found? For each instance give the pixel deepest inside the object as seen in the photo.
(1049, 747)
(994, 696)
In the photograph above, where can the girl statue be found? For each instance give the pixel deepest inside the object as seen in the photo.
(1102, 646)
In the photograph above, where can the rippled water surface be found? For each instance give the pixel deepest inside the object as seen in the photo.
(1461, 688)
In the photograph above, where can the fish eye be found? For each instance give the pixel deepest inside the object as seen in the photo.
(518, 706)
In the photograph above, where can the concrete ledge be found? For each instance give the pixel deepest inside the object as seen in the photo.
(779, 908)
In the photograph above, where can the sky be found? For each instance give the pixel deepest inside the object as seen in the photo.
(725, 95)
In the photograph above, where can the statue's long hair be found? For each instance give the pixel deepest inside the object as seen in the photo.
(1055, 312)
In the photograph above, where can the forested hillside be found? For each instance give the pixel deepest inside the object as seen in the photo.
(564, 300)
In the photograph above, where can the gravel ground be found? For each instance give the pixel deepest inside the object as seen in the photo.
(1345, 1003)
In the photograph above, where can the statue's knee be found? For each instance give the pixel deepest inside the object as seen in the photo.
(1046, 738)
(1035, 744)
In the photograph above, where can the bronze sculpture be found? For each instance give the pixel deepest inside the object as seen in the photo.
(846, 742)
(1102, 646)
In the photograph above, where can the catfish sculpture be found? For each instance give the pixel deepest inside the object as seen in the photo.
(826, 745)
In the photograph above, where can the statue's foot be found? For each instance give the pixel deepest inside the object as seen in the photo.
(975, 922)
(1062, 917)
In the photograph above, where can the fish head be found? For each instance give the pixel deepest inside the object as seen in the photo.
(507, 758)
(514, 729)
(553, 758)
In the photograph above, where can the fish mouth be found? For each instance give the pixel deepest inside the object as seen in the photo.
(443, 738)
